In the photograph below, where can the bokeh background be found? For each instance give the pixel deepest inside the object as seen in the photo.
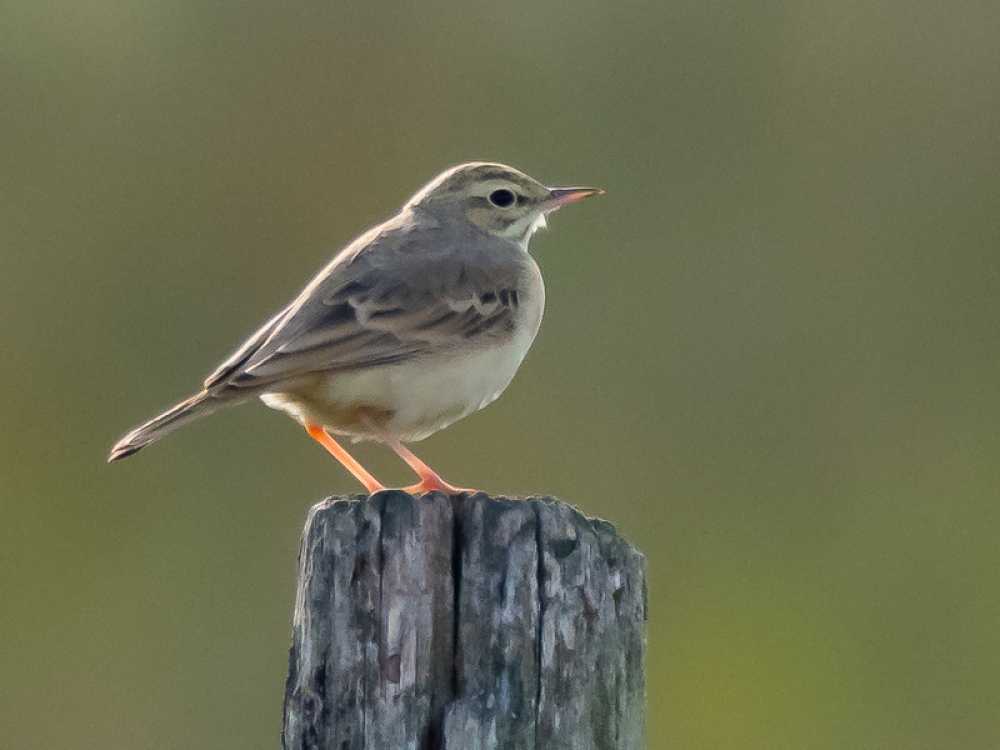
(770, 354)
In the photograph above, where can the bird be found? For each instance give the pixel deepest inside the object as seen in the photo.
(418, 322)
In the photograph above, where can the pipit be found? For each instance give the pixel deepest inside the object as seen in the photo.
(418, 322)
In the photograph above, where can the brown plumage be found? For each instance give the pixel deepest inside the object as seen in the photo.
(416, 323)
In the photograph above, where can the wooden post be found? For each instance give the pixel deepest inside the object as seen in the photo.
(475, 623)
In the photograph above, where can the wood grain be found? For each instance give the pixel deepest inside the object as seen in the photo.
(433, 623)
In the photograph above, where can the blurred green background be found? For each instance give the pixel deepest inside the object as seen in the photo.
(770, 354)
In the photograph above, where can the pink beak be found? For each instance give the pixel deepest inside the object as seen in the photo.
(562, 195)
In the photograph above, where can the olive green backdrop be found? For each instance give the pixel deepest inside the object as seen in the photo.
(770, 355)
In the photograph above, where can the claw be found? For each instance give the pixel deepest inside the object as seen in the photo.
(437, 485)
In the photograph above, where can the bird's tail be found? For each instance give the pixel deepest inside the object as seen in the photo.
(199, 405)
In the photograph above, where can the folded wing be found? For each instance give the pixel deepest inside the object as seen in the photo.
(383, 304)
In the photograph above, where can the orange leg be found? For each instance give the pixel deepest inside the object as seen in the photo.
(430, 480)
(346, 459)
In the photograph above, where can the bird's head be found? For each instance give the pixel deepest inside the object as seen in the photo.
(500, 200)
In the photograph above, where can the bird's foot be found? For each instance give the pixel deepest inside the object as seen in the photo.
(430, 480)
(435, 483)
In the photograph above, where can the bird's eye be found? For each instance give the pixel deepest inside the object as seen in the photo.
(502, 198)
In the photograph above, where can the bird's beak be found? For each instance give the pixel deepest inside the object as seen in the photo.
(562, 195)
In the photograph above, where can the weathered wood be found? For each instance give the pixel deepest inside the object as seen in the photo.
(431, 623)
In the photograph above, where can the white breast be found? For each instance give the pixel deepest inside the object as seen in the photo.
(419, 397)
(422, 396)
(431, 394)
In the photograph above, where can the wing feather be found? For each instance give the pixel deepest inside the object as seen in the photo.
(394, 295)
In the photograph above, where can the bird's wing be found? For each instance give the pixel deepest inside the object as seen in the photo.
(391, 297)
(245, 350)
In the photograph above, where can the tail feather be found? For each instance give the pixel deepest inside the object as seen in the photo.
(199, 405)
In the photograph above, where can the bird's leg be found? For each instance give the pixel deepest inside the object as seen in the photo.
(430, 480)
(346, 459)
